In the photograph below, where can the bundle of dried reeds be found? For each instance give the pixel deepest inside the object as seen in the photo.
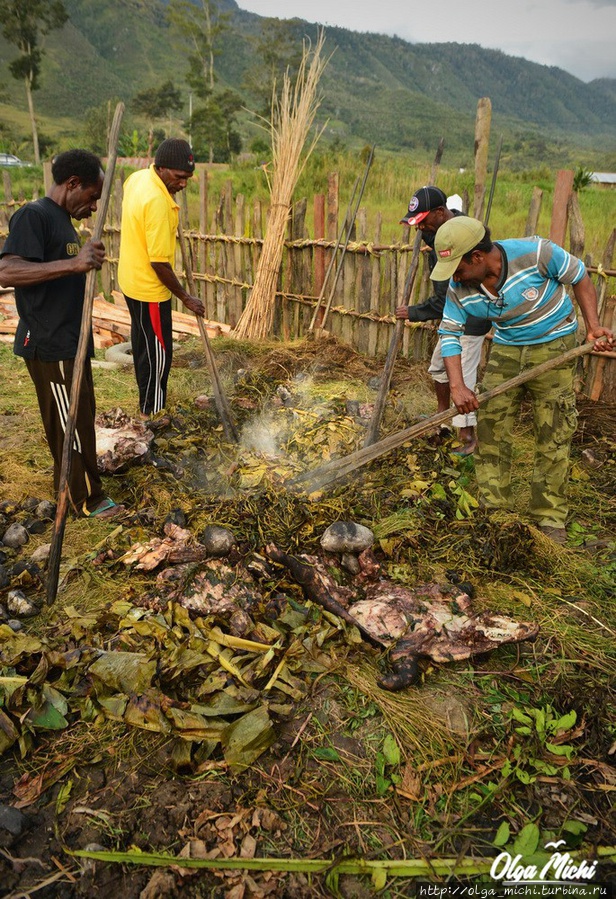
(293, 114)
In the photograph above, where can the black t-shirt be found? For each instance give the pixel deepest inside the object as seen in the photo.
(50, 312)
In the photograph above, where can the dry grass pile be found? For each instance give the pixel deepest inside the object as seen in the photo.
(293, 114)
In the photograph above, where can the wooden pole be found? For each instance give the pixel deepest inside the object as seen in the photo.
(374, 428)
(562, 191)
(533, 212)
(338, 468)
(483, 122)
(219, 395)
(57, 537)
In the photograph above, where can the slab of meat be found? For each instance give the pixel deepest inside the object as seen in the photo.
(427, 620)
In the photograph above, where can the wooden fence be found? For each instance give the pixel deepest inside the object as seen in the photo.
(225, 244)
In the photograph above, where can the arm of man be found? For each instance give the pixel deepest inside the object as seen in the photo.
(15, 271)
(167, 276)
(450, 332)
(586, 296)
(429, 310)
(463, 399)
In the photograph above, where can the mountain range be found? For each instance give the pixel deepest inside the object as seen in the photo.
(376, 89)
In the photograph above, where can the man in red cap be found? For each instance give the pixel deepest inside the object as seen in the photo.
(428, 210)
(145, 271)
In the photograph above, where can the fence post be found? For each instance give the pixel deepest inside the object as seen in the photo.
(562, 192)
(533, 212)
(482, 140)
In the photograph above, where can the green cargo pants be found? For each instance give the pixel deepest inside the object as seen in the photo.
(554, 422)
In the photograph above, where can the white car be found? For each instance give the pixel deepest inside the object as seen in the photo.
(9, 159)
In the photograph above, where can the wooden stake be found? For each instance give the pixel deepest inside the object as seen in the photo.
(219, 395)
(333, 471)
(562, 191)
(533, 212)
(483, 121)
(59, 525)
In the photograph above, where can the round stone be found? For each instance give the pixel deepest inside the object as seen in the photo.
(346, 537)
(16, 535)
(218, 541)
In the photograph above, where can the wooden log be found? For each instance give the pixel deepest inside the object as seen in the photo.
(483, 121)
(560, 205)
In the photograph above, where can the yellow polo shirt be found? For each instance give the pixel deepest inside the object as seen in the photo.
(149, 229)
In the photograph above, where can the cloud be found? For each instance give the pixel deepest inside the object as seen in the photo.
(570, 34)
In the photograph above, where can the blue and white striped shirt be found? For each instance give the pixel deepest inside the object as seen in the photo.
(532, 305)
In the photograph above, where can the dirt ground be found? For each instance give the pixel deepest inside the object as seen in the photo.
(516, 744)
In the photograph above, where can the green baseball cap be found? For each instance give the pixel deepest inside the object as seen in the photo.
(453, 239)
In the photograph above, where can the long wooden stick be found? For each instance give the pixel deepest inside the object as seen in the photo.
(219, 395)
(374, 427)
(338, 468)
(57, 537)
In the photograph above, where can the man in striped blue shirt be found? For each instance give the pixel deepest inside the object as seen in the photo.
(520, 285)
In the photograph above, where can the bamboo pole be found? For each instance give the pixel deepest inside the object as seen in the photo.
(59, 525)
(219, 395)
(338, 468)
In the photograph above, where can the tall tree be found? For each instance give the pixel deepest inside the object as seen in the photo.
(157, 103)
(200, 25)
(279, 48)
(214, 126)
(24, 23)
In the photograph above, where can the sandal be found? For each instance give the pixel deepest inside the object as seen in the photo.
(106, 509)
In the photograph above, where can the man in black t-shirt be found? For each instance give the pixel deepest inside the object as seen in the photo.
(44, 261)
(428, 211)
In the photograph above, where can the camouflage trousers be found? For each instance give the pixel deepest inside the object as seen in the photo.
(554, 422)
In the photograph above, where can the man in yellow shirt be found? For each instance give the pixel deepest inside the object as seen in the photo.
(145, 272)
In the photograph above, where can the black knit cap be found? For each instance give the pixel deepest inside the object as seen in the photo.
(174, 153)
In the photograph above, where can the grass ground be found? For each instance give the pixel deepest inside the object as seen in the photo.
(505, 751)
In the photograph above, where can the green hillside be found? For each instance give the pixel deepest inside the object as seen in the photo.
(377, 89)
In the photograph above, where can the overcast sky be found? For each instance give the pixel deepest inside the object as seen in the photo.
(576, 35)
